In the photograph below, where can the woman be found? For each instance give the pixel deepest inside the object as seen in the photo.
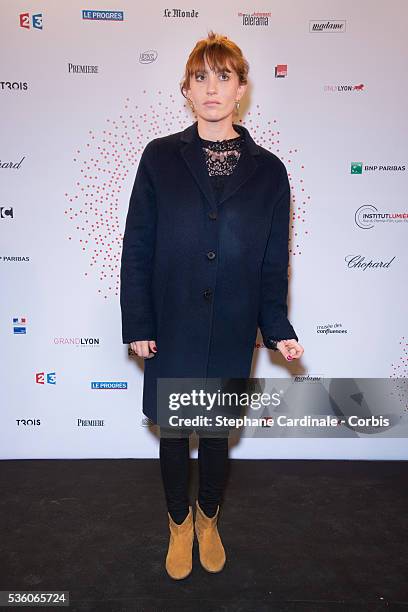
(204, 263)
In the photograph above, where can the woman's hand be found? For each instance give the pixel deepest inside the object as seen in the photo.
(144, 348)
(290, 349)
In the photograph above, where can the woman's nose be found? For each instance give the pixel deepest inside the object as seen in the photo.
(212, 84)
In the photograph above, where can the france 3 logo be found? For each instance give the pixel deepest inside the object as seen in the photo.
(45, 377)
(19, 325)
(35, 21)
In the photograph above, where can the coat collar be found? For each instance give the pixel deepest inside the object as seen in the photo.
(194, 157)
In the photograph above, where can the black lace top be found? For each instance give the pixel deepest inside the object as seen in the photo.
(221, 157)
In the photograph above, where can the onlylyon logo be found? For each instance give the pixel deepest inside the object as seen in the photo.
(367, 216)
(327, 25)
(358, 167)
(19, 325)
(103, 15)
(107, 385)
(345, 88)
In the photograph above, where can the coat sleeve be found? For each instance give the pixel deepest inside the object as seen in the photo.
(272, 316)
(136, 300)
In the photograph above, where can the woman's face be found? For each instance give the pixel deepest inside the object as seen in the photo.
(214, 94)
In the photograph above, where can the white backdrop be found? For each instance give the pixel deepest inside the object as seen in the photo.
(80, 98)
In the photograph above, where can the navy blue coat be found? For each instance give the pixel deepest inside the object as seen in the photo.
(197, 277)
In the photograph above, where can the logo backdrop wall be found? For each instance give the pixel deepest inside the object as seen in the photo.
(83, 89)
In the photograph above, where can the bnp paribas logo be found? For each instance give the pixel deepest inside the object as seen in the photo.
(356, 167)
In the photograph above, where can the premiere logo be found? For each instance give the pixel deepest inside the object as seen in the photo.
(82, 69)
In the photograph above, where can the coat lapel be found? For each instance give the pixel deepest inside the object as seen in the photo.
(193, 155)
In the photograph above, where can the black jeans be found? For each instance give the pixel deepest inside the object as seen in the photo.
(174, 464)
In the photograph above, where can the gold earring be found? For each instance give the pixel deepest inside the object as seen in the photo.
(191, 104)
(237, 105)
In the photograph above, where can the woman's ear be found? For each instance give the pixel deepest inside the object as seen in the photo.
(241, 90)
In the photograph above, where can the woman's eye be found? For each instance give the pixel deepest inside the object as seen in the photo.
(224, 74)
(198, 77)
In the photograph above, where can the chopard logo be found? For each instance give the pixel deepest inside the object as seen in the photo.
(358, 261)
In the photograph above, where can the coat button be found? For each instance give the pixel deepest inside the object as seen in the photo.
(210, 254)
(207, 294)
(212, 214)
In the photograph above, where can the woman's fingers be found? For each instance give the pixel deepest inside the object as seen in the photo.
(290, 349)
(144, 348)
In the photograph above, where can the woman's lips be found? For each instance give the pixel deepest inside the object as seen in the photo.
(210, 103)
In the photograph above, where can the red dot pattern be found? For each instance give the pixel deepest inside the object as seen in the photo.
(102, 191)
(269, 137)
(400, 374)
(107, 158)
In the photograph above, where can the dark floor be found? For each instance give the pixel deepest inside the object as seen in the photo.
(299, 536)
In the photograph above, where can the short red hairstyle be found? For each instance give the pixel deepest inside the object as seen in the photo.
(219, 52)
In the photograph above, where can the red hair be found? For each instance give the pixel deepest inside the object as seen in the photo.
(219, 52)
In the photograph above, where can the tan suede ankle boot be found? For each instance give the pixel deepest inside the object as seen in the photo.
(179, 561)
(212, 552)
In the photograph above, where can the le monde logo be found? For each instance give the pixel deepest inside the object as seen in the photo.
(180, 14)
